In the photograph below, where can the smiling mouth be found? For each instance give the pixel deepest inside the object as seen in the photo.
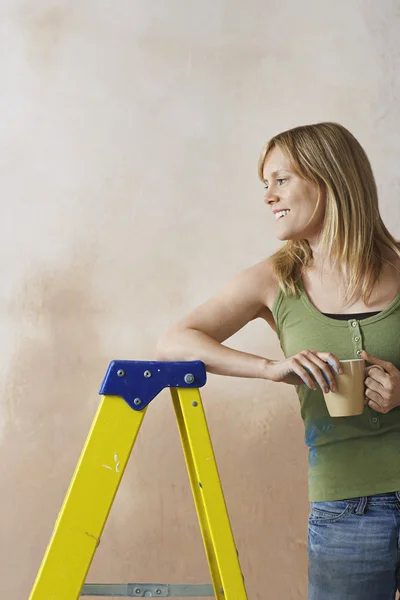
(281, 214)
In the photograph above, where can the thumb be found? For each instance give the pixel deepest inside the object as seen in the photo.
(373, 360)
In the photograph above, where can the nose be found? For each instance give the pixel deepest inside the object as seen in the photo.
(270, 197)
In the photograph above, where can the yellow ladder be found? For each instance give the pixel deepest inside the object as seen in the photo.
(127, 390)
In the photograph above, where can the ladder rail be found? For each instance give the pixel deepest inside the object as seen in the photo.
(88, 501)
(209, 499)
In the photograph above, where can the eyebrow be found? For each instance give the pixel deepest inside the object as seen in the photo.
(275, 173)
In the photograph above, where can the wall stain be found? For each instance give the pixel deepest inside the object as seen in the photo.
(44, 28)
(49, 400)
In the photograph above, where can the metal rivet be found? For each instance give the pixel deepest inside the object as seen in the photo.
(147, 374)
(137, 401)
(357, 338)
(374, 419)
(359, 352)
(194, 403)
(354, 324)
(158, 591)
(121, 373)
(137, 591)
(189, 378)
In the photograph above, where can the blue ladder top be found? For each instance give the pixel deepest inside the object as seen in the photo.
(138, 382)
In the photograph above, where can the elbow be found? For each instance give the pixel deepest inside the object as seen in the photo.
(161, 350)
(166, 346)
(173, 346)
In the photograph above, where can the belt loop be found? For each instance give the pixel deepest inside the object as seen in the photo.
(362, 503)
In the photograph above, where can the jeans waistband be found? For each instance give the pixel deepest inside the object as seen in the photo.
(388, 498)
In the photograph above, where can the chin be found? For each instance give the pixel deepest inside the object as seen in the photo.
(285, 238)
(289, 236)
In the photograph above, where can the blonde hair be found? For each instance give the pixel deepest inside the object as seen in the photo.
(328, 155)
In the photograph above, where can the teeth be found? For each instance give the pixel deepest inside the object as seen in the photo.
(281, 213)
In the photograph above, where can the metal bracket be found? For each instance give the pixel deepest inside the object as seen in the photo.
(148, 590)
(139, 382)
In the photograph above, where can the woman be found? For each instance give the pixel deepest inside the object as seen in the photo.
(331, 293)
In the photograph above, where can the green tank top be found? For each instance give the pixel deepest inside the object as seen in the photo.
(348, 456)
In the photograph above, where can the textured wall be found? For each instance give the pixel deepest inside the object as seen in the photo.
(130, 134)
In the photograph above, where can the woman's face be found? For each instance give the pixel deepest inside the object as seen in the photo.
(287, 191)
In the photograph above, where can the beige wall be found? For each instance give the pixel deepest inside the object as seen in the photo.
(130, 133)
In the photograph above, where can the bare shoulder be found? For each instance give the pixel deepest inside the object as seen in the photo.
(392, 264)
(264, 279)
(396, 262)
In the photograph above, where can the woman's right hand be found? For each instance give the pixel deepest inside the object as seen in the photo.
(308, 366)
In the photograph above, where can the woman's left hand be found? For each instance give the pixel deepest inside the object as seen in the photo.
(382, 387)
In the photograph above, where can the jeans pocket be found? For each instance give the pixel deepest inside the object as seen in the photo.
(328, 512)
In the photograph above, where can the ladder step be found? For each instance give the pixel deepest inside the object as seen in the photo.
(148, 590)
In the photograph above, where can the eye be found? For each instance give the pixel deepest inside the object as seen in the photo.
(280, 180)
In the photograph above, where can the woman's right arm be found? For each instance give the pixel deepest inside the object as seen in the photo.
(200, 334)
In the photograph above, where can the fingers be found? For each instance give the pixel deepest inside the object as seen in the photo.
(318, 377)
(374, 397)
(331, 359)
(320, 369)
(297, 367)
(327, 372)
(378, 362)
(378, 375)
(311, 373)
(303, 372)
(375, 405)
(373, 384)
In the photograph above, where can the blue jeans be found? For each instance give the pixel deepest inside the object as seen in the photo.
(354, 548)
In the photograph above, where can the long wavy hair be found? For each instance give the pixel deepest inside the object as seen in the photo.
(328, 155)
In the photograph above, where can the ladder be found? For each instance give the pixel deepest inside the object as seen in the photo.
(126, 391)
